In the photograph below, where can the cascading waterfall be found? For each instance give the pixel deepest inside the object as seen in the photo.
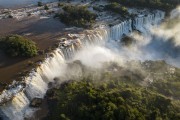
(118, 30)
(138, 23)
(36, 84)
(77, 41)
(14, 109)
(142, 22)
(36, 87)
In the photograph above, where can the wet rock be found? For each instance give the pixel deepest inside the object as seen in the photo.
(50, 84)
(1, 118)
(126, 41)
(50, 93)
(36, 102)
(77, 62)
(56, 79)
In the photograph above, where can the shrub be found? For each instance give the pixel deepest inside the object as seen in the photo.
(15, 45)
(46, 7)
(98, 8)
(40, 4)
(60, 4)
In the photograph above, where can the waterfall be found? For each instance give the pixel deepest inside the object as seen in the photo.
(142, 22)
(14, 109)
(36, 87)
(77, 41)
(118, 30)
(15, 101)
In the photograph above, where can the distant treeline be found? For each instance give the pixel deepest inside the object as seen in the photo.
(157, 4)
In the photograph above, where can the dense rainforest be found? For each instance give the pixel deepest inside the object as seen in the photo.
(118, 93)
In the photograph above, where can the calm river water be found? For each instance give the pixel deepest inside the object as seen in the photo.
(19, 3)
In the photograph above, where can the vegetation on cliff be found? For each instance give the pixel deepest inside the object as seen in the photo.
(15, 45)
(113, 95)
(117, 8)
(155, 4)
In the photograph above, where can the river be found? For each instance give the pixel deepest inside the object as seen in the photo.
(20, 3)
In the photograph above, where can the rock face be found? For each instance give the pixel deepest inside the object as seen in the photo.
(126, 41)
(50, 93)
(36, 102)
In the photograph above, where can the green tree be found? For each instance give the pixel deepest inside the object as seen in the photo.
(78, 16)
(15, 45)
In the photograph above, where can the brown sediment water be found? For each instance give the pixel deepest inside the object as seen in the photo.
(44, 32)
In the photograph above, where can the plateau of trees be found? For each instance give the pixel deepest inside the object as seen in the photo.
(155, 4)
(114, 96)
(78, 16)
(15, 45)
(111, 100)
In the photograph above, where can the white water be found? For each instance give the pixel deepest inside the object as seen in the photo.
(118, 30)
(141, 23)
(52, 67)
(144, 22)
(36, 86)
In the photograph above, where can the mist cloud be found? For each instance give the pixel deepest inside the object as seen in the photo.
(157, 43)
(170, 30)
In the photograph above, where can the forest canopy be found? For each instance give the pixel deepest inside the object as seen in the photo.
(116, 93)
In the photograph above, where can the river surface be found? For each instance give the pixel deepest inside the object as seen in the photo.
(20, 3)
